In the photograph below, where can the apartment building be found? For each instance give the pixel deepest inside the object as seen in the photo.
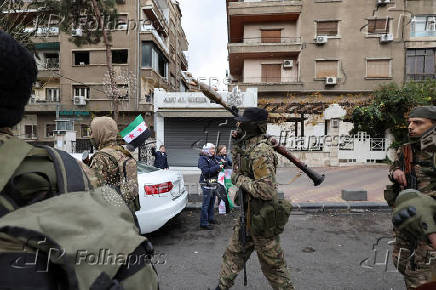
(148, 46)
(420, 40)
(304, 53)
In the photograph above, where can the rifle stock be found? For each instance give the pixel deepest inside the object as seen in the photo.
(242, 229)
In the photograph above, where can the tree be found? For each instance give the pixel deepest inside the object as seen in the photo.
(91, 21)
(390, 107)
(23, 21)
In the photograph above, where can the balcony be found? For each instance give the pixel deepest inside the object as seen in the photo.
(155, 18)
(283, 84)
(253, 7)
(259, 45)
(156, 37)
(184, 61)
(421, 76)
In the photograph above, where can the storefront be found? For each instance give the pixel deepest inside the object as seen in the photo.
(185, 121)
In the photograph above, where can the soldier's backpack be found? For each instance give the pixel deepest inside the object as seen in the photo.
(57, 233)
(127, 181)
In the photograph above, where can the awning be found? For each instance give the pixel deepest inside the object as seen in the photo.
(48, 46)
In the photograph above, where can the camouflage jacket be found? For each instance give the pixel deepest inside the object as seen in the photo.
(106, 164)
(256, 163)
(424, 165)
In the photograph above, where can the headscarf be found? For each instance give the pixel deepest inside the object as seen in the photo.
(103, 130)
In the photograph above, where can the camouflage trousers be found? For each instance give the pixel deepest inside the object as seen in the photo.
(414, 259)
(270, 256)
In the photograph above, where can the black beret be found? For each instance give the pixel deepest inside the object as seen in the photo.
(17, 74)
(428, 112)
(253, 114)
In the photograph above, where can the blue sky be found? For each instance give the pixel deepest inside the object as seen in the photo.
(205, 25)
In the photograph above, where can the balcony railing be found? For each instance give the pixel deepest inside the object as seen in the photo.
(150, 28)
(270, 80)
(421, 76)
(270, 40)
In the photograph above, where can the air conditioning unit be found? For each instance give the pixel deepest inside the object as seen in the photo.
(321, 39)
(288, 63)
(383, 2)
(386, 38)
(79, 101)
(76, 32)
(330, 81)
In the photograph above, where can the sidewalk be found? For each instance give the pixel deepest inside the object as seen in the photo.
(302, 193)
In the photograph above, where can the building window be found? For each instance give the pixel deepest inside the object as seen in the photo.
(81, 57)
(123, 91)
(271, 36)
(378, 68)
(378, 26)
(271, 73)
(52, 95)
(120, 56)
(80, 91)
(153, 58)
(49, 130)
(420, 64)
(326, 68)
(329, 28)
(122, 22)
(85, 130)
(423, 26)
(51, 60)
(30, 131)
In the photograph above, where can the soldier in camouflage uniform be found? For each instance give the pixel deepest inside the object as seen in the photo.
(414, 169)
(254, 170)
(108, 161)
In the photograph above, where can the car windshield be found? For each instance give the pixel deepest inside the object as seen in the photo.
(144, 168)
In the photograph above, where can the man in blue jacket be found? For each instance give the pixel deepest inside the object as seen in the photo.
(210, 167)
(160, 160)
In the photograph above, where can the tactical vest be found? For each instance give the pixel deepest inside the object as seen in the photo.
(265, 218)
(46, 210)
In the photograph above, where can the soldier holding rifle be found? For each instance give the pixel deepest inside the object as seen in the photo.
(263, 217)
(414, 172)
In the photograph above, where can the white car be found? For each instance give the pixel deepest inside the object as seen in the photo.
(162, 195)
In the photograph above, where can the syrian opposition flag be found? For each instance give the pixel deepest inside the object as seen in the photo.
(136, 133)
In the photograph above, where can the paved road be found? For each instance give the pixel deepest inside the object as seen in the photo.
(371, 178)
(323, 251)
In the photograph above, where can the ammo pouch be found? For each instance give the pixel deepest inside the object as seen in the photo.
(268, 218)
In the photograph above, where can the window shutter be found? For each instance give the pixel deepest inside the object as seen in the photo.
(327, 28)
(378, 68)
(271, 73)
(271, 36)
(326, 68)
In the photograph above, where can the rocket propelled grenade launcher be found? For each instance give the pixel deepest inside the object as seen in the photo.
(216, 98)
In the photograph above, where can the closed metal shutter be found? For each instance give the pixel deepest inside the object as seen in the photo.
(184, 137)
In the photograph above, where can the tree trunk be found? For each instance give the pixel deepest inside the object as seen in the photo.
(113, 85)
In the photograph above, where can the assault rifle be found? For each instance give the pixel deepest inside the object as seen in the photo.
(216, 98)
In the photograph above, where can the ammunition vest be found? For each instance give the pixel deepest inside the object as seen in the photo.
(266, 218)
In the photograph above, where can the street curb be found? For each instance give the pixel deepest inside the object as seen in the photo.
(320, 206)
